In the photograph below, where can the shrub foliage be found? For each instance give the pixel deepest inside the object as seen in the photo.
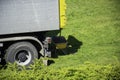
(38, 71)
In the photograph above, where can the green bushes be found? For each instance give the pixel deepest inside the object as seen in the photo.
(86, 71)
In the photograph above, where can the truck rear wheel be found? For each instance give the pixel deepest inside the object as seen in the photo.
(23, 53)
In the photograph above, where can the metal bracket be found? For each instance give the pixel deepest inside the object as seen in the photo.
(1, 44)
(47, 52)
(0, 56)
(0, 59)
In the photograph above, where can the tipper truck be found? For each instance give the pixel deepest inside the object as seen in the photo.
(23, 24)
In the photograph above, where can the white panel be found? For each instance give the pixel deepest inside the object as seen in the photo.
(19, 16)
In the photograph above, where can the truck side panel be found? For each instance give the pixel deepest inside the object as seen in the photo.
(21, 16)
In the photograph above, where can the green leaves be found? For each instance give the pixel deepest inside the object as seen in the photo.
(86, 71)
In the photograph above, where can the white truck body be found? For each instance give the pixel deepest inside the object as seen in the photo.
(22, 16)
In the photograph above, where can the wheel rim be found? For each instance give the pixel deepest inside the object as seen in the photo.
(23, 57)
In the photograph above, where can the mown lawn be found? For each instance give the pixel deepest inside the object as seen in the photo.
(93, 26)
(93, 33)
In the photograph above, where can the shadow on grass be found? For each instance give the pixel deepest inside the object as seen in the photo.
(50, 62)
(73, 46)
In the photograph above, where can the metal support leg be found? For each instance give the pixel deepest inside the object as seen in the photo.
(1, 44)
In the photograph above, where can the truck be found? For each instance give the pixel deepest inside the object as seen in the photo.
(23, 26)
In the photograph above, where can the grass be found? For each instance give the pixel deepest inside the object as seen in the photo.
(93, 33)
(95, 24)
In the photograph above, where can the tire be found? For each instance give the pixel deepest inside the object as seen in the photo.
(23, 53)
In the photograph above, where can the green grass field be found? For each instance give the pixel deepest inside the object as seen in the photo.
(94, 26)
(93, 32)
